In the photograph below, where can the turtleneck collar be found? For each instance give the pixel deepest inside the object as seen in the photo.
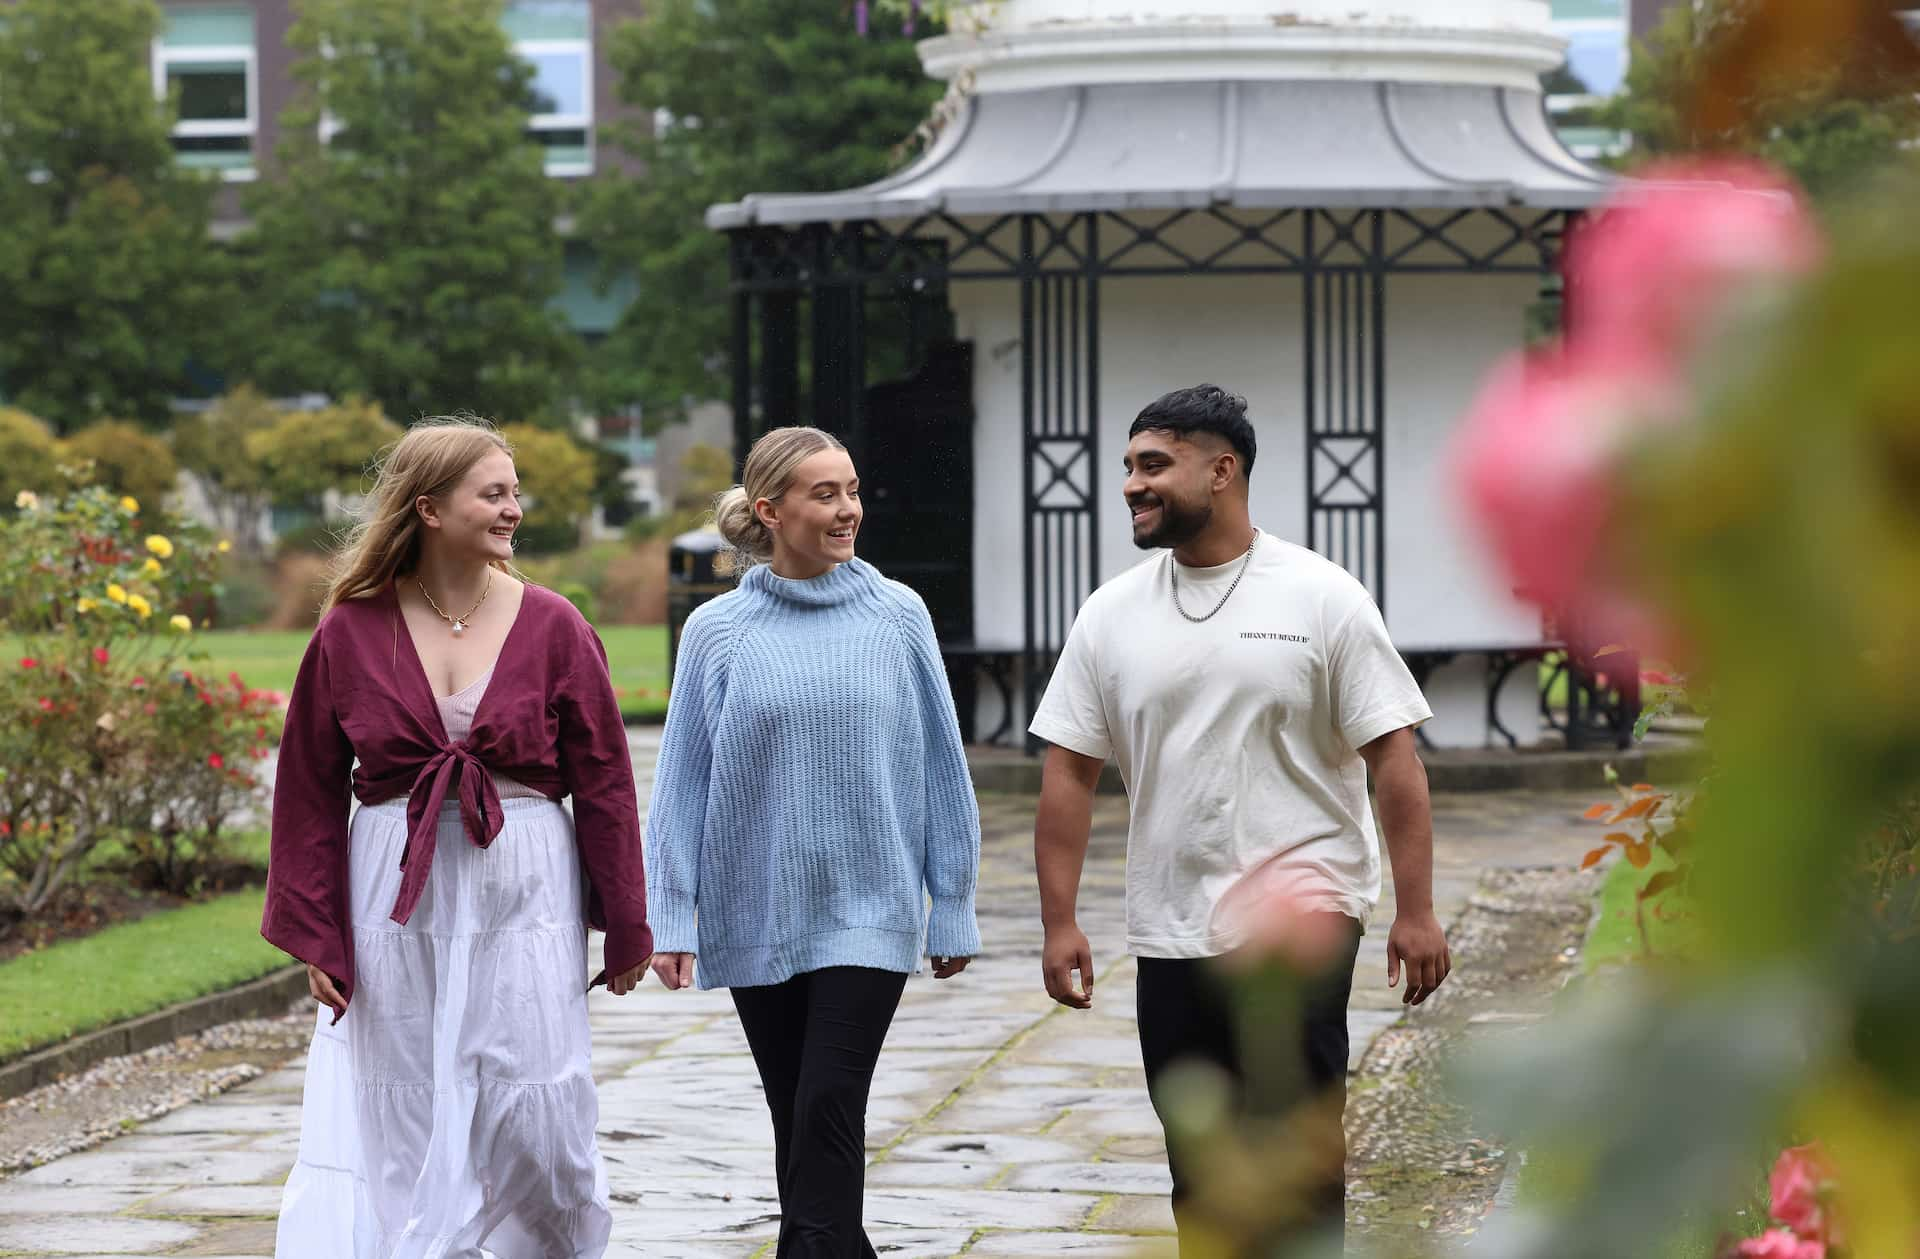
(837, 585)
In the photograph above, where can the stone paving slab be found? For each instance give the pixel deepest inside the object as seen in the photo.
(1001, 1124)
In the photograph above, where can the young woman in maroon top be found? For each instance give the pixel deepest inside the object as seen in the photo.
(449, 1098)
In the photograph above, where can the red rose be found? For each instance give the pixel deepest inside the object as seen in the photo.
(100, 655)
(46, 705)
(215, 760)
(28, 662)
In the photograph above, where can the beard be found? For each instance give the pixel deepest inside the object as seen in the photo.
(1178, 525)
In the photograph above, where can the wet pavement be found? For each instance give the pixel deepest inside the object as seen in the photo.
(1000, 1124)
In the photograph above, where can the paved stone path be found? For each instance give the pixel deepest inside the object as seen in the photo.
(1000, 1124)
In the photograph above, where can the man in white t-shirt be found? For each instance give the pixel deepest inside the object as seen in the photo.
(1245, 687)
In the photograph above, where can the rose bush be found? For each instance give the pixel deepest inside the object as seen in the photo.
(105, 733)
(1730, 440)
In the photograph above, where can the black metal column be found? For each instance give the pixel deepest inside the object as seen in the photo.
(839, 362)
(742, 351)
(779, 360)
(1343, 319)
(1059, 410)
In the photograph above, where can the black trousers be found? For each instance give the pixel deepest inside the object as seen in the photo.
(1187, 1011)
(816, 1040)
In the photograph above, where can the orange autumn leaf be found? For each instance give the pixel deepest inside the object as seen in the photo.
(1643, 787)
(1659, 883)
(1639, 808)
(1621, 838)
(1595, 812)
(1639, 854)
(1593, 858)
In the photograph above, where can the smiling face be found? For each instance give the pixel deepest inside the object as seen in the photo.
(816, 518)
(1170, 486)
(478, 516)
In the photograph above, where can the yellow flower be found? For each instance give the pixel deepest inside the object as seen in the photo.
(224, 546)
(26, 500)
(130, 504)
(117, 592)
(180, 622)
(160, 546)
(86, 605)
(140, 605)
(152, 567)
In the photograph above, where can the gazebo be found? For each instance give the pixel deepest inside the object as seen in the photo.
(1342, 209)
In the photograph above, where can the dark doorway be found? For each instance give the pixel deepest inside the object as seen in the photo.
(916, 474)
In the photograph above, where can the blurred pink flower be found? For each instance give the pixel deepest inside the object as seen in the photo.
(1799, 1175)
(1539, 456)
(1535, 461)
(1668, 252)
(1265, 913)
(1778, 1243)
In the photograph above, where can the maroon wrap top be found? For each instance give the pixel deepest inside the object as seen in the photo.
(548, 719)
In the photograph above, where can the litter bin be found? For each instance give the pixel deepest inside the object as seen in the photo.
(699, 568)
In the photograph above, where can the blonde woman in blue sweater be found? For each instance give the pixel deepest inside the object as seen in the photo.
(812, 796)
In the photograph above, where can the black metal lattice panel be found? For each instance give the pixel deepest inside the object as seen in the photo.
(1059, 406)
(1345, 383)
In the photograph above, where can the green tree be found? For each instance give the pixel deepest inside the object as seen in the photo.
(212, 446)
(769, 95)
(123, 458)
(410, 258)
(1827, 128)
(105, 263)
(557, 475)
(307, 453)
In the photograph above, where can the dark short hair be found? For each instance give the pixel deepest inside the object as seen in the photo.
(1202, 409)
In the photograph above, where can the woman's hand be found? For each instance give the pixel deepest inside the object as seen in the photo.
(948, 967)
(675, 969)
(627, 980)
(320, 984)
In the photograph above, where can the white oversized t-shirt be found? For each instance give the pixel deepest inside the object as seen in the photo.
(1237, 736)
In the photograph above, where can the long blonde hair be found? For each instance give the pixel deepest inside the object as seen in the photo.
(432, 459)
(770, 468)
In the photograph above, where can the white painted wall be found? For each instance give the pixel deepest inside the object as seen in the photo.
(1244, 333)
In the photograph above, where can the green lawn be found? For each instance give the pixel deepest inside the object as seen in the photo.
(132, 969)
(268, 660)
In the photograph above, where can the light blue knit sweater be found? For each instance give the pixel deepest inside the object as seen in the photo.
(811, 784)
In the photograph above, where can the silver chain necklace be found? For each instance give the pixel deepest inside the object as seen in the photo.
(1173, 581)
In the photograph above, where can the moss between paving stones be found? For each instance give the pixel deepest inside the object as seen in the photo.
(132, 969)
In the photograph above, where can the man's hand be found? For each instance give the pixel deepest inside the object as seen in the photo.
(1418, 943)
(1066, 951)
(321, 985)
(675, 969)
(627, 980)
(948, 967)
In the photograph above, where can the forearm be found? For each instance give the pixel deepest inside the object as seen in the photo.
(1060, 834)
(1406, 820)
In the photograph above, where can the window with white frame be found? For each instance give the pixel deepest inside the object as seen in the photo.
(555, 37)
(205, 57)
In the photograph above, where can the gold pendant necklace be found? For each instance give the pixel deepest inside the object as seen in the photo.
(459, 623)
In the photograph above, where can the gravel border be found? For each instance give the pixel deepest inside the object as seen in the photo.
(268, 995)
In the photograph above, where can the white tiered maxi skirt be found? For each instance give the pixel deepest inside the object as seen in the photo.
(450, 1114)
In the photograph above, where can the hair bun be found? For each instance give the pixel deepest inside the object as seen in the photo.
(744, 531)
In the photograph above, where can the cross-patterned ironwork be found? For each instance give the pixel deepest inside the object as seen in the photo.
(796, 302)
(1060, 410)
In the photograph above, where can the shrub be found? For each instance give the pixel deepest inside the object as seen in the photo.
(104, 731)
(124, 459)
(581, 598)
(28, 456)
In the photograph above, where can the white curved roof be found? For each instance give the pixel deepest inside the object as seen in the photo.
(1257, 143)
